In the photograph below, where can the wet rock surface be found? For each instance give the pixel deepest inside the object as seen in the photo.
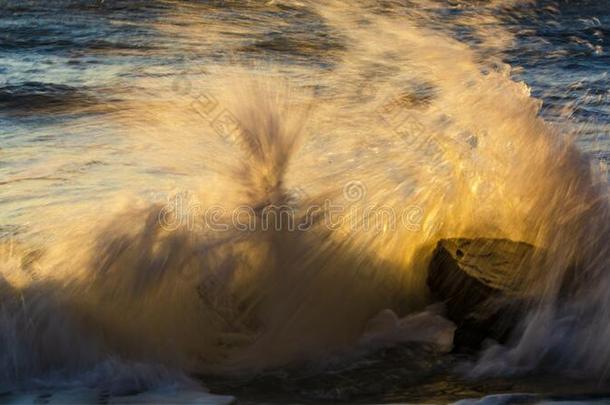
(402, 374)
(481, 282)
(371, 376)
(483, 285)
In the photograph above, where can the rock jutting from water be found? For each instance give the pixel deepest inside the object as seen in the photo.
(481, 282)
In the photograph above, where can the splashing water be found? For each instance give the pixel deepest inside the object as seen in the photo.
(316, 196)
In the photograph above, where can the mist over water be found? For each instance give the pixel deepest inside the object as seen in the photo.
(146, 169)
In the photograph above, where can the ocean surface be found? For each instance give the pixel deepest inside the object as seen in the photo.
(140, 139)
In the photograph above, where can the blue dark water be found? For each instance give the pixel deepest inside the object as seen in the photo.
(61, 56)
(564, 56)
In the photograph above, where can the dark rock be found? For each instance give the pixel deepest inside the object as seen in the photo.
(482, 283)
